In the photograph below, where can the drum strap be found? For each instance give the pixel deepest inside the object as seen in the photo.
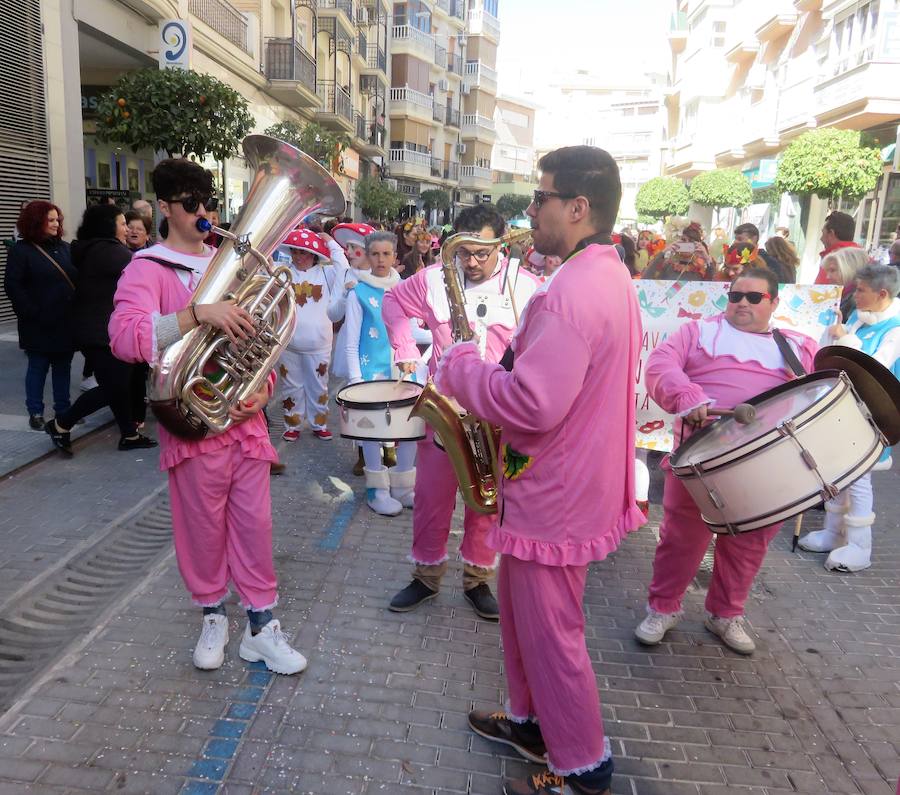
(788, 353)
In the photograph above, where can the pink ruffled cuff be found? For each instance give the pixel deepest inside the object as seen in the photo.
(550, 553)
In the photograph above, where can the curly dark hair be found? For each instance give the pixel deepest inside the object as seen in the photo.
(474, 219)
(98, 221)
(32, 218)
(178, 175)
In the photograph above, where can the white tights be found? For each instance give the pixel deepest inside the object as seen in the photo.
(406, 455)
(641, 475)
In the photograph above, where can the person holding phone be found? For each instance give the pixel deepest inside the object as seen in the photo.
(685, 260)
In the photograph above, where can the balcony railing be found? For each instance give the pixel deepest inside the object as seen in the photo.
(334, 99)
(475, 173)
(473, 122)
(411, 158)
(481, 23)
(455, 64)
(423, 40)
(437, 167)
(438, 112)
(287, 60)
(341, 5)
(224, 19)
(412, 96)
(451, 171)
(362, 45)
(375, 134)
(457, 9)
(452, 118)
(479, 74)
(440, 56)
(359, 122)
(377, 58)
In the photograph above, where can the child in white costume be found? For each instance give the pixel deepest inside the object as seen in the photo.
(369, 358)
(303, 366)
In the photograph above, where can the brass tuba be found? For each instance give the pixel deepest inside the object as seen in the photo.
(471, 444)
(197, 380)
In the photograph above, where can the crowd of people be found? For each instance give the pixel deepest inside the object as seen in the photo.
(544, 364)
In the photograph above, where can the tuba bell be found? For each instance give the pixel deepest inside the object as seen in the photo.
(199, 379)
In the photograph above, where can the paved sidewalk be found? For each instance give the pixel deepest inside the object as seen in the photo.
(381, 708)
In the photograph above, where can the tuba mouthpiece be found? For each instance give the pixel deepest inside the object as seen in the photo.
(204, 225)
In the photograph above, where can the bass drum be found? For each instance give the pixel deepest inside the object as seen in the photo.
(378, 411)
(811, 438)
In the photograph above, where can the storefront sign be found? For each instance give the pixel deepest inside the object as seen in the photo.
(122, 198)
(666, 305)
(350, 160)
(175, 44)
(90, 96)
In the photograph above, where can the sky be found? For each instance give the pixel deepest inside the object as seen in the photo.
(623, 37)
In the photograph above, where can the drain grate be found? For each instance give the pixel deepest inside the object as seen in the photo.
(36, 630)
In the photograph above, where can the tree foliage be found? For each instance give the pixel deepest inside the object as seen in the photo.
(377, 201)
(721, 187)
(830, 163)
(510, 205)
(175, 111)
(662, 196)
(319, 143)
(435, 199)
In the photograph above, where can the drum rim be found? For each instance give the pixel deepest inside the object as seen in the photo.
(820, 375)
(382, 404)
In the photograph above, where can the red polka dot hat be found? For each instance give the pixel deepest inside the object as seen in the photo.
(347, 234)
(306, 240)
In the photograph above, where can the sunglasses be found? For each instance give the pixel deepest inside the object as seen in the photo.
(735, 296)
(192, 203)
(539, 197)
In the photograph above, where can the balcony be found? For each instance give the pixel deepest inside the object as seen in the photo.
(291, 72)
(458, 9)
(807, 5)
(743, 51)
(335, 7)
(407, 163)
(474, 177)
(440, 57)
(864, 95)
(452, 117)
(438, 113)
(443, 5)
(409, 102)
(372, 145)
(479, 75)
(678, 32)
(224, 19)
(377, 59)
(777, 26)
(476, 126)
(412, 41)
(361, 50)
(451, 171)
(336, 112)
(455, 64)
(437, 167)
(481, 23)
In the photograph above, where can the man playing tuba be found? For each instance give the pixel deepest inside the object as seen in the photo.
(492, 291)
(219, 485)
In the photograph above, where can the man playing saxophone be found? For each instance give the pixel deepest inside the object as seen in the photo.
(494, 293)
(566, 409)
(218, 486)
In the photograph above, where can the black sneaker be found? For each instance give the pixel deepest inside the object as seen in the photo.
(36, 422)
(139, 442)
(411, 597)
(61, 441)
(524, 737)
(483, 602)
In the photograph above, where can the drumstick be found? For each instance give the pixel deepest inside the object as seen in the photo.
(796, 538)
(743, 413)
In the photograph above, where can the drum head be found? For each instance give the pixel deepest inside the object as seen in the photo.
(874, 383)
(379, 394)
(772, 407)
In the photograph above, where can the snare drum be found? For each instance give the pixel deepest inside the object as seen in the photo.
(811, 438)
(378, 411)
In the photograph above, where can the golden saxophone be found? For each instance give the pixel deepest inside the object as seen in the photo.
(471, 444)
(197, 380)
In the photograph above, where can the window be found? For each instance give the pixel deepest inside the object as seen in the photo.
(718, 27)
(649, 110)
(853, 38)
(491, 7)
(590, 141)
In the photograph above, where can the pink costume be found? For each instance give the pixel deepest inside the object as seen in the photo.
(490, 312)
(567, 497)
(219, 486)
(710, 361)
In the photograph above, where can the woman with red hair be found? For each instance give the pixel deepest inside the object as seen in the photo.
(40, 283)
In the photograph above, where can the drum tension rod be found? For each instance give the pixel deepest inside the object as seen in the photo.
(788, 429)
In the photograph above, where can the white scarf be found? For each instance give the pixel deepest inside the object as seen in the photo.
(379, 282)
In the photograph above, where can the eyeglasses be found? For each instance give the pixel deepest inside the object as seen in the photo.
(481, 256)
(192, 202)
(735, 296)
(539, 197)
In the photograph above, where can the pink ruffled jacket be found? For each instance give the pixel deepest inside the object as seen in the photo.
(423, 296)
(681, 374)
(567, 414)
(146, 291)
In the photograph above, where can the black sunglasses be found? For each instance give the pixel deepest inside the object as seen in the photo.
(539, 197)
(192, 202)
(735, 296)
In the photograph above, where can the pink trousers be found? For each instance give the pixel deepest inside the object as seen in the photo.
(435, 500)
(222, 523)
(548, 670)
(683, 541)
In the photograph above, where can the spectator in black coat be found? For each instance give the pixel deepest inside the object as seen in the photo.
(40, 283)
(99, 255)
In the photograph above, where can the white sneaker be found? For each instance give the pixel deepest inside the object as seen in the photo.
(732, 633)
(655, 626)
(271, 646)
(209, 653)
(87, 384)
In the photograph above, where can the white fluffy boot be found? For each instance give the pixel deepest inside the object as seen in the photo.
(832, 535)
(378, 496)
(857, 554)
(403, 486)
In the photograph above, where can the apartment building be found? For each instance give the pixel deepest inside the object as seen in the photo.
(748, 76)
(441, 104)
(513, 156)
